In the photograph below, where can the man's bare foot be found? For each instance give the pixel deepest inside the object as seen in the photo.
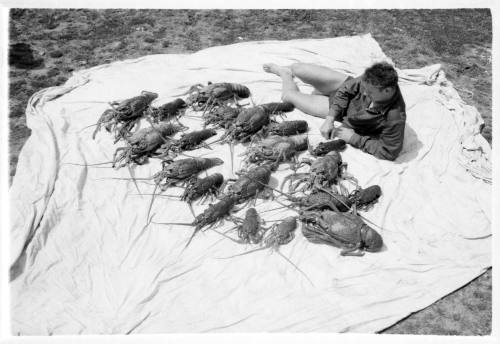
(275, 69)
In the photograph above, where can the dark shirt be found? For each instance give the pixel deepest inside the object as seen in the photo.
(378, 130)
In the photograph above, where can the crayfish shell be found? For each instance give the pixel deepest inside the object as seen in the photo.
(277, 108)
(325, 147)
(363, 198)
(287, 128)
(328, 227)
(342, 230)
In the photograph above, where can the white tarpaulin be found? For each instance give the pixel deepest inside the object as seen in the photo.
(85, 263)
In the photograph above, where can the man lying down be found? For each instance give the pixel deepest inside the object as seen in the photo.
(370, 107)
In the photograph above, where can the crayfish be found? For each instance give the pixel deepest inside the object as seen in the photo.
(252, 121)
(191, 141)
(250, 229)
(203, 187)
(324, 172)
(181, 170)
(210, 217)
(168, 111)
(144, 143)
(277, 149)
(325, 147)
(202, 98)
(222, 116)
(342, 230)
(251, 183)
(287, 128)
(365, 198)
(127, 113)
(319, 199)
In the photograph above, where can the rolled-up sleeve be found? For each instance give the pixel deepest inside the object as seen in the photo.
(388, 144)
(339, 100)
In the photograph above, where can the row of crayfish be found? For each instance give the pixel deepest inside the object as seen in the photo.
(156, 140)
(328, 215)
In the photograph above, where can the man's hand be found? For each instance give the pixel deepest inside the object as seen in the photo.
(327, 128)
(344, 133)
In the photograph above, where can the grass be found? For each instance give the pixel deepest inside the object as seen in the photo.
(459, 39)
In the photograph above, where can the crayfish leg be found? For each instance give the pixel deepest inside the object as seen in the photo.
(355, 251)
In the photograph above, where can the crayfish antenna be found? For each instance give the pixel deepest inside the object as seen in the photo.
(132, 177)
(151, 203)
(196, 230)
(86, 165)
(172, 223)
(295, 266)
(271, 188)
(244, 253)
(191, 209)
(150, 194)
(216, 141)
(334, 196)
(118, 178)
(88, 126)
(268, 210)
(231, 152)
(227, 236)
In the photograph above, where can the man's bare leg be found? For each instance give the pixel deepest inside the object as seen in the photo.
(312, 104)
(325, 80)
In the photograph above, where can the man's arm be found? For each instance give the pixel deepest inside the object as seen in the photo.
(388, 145)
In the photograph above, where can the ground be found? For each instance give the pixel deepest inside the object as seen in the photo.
(459, 39)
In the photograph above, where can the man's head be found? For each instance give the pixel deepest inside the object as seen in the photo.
(380, 81)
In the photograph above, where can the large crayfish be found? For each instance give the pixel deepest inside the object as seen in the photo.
(183, 169)
(326, 147)
(203, 187)
(342, 230)
(222, 116)
(191, 141)
(277, 149)
(127, 113)
(168, 111)
(324, 172)
(287, 128)
(212, 215)
(202, 97)
(251, 182)
(251, 121)
(144, 143)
